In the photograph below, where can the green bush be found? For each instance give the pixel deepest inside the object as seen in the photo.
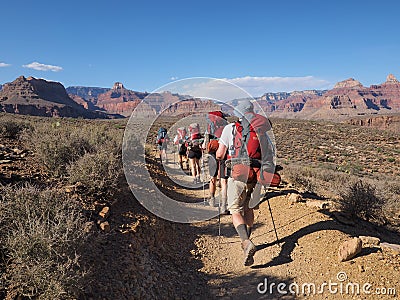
(41, 235)
(361, 200)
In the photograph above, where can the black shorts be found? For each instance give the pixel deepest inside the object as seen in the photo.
(163, 146)
(194, 154)
(214, 166)
(182, 150)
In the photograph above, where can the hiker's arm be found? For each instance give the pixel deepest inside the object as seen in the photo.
(221, 151)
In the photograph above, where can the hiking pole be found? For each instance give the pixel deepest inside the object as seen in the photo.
(273, 223)
(174, 156)
(219, 200)
(203, 173)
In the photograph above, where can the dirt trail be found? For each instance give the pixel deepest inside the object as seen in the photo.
(305, 257)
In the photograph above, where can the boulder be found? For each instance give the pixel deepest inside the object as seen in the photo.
(349, 249)
(295, 198)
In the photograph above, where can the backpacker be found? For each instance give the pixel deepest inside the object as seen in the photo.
(252, 150)
(194, 131)
(161, 135)
(181, 135)
(215, 123)
(195, 136)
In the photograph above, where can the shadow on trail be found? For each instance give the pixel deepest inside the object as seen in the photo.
(288, 243)
(143, 257)
(275, 193)
(251, 286)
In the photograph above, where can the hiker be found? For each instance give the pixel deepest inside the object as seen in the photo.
(162, 140)
(243, 146)
(195, 151)
(180, 140)
(216, 122)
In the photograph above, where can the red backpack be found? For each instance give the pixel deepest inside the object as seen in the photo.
(181, 135)
(216, 123)
(253, 151)
(194, 130)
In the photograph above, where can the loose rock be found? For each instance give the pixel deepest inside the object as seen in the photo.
(105, 226)
(349, 249)
(370, 240)
(393, 248)
(105, 212)
(295, 198)
(319, 204)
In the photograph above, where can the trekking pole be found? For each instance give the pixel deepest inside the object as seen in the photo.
(174, 156)
(273, 223)
(219, 201)
(203, 181)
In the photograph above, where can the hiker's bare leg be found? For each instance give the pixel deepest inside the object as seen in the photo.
(224, 188)
(198, 166)
(248, 216)
(213, 184)
(237, 219)
(193, 166)
(223, 194)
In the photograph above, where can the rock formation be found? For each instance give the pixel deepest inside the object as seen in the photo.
(39, 97)
(188, 106)
(349, 98)
(89, 94)
(391, 79)
(382, 122)
(348, 84)
(120, 100)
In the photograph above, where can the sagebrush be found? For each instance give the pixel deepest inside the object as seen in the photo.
(42, 238)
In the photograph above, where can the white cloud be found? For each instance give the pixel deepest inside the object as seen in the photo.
(243, 87)
(173, 78)
(42, 67)
(256, 86)
(2, 65)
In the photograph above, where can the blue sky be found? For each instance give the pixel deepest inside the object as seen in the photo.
(260, 45)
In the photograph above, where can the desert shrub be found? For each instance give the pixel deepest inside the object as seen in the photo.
(300, 177)
(319, 180)
(41, 235)
(394, 187)
(361, 200)
(11, 129)
(58, 146)
(56, 149)
(98, 172)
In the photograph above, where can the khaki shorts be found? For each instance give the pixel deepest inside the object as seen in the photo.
(240, 194)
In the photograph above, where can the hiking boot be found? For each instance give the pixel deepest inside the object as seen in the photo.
(225, 212)
(249, 250)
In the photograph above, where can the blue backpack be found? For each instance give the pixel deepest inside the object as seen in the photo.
(161, 135)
